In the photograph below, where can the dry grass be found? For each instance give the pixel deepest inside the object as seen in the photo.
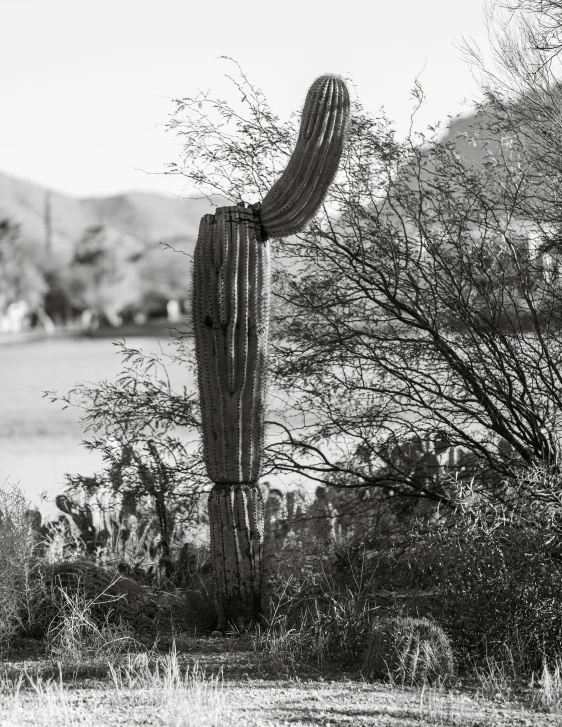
(139, 692)
(549, 692)
(17, 586)
(184, 690)
(495, 680)
(75, 635)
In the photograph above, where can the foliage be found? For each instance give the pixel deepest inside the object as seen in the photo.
(498, 575)
(135, 537)
(208, 142)
(526, 43)
(414, 304)
(144, 430)
(103, 277)
(18, 585)
(21, 276)
(314, 620)
(489, 573)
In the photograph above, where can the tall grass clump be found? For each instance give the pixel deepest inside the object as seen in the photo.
(548, 696)
(18, 566)
(316, 622)
(76, 633)
(184, 694)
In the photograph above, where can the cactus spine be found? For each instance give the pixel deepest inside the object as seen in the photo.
(230, 321)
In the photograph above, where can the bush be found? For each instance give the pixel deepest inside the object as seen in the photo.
(314, 621)
(500, 592)
(497, 570)
(108, 597)
(489, 572)
(18, 586)
(408, 651)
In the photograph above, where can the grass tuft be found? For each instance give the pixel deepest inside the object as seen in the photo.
(549, 693)
(76, 634)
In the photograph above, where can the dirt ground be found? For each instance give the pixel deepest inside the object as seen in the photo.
(210, 683)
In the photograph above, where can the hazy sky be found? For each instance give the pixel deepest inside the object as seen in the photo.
(86, 88)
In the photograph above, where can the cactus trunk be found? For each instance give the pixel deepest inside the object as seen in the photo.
(231, 315)
(230, 323)
(236, 517)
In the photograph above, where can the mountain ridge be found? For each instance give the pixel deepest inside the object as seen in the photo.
(52, 218)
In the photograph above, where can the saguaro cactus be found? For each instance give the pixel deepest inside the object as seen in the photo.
(230, 321)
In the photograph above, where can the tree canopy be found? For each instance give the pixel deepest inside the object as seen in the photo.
(420, 303)
(21, 277)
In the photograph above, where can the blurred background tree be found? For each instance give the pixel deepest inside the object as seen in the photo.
(164, 277)
(21, 277)
(103, 276)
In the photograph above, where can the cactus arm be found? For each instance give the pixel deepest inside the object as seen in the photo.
(295, 198)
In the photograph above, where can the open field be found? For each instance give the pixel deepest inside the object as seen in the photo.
(216, 682)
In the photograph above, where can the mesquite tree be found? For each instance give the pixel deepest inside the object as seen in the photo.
(230, 319)
(421, 306)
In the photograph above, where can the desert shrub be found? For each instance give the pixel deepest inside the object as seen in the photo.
(408, 651)
(18, 585)
(498, 573)
(108, 597)
(490, 572)
(313, 621)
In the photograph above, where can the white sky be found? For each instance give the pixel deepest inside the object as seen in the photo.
(86, 88)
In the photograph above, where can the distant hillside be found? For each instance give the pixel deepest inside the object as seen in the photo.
(136, 217)
(145, 217)
(150, 217)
